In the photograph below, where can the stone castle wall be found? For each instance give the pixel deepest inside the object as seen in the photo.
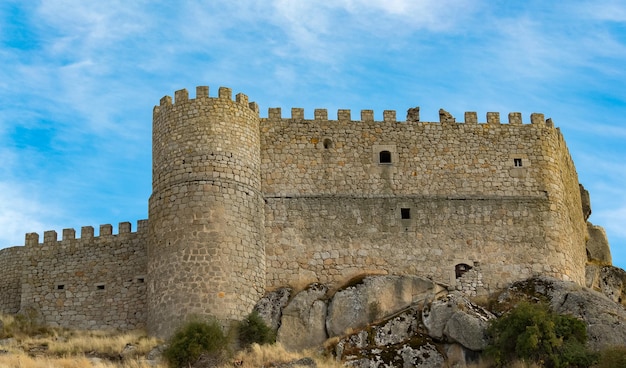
(242, 204)
(91, 282)
(475, 194)
(11, 260)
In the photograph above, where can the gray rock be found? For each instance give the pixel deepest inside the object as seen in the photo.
(374, 298)
(424, 356)
(303, 319)
(609, 280)
(605, 319)
(270, 307)
(436, 315)
(468, 330)
(598, 245)
(396, 330)
(456, 319)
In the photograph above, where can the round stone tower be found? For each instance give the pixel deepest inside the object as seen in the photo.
(206, 255)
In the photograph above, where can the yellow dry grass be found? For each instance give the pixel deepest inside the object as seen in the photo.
(22, 360)
(26, 345)
(262, 355)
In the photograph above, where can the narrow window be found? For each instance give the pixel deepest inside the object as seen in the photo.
(328, 143)
(60, 287)
(384, 157)
(405, 213)
(140, 280)
(100, 287)
(517, 162)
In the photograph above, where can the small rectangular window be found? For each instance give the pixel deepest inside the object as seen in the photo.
(517, 162)
(405, 213)
(60, 287)
(100, 287)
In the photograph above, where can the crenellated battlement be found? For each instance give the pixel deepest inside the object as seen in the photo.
(50, 237)
(274, 114)
(181, 97)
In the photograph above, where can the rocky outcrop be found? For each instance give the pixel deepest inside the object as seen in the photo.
(303, 323)
(598, 249)
(406, 321)
(270, 307)
(397, 342)
(375, 297)
(605, 319)
(455, 319)
(609, 280)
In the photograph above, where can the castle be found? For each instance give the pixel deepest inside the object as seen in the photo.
(243, 204)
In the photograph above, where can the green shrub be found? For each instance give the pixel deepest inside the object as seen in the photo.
(614, 357)
(254, 330)
(193, 340)
(533, 332)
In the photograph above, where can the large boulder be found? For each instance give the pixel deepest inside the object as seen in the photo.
(376, 297)
(303, 319)
(456, 319)
(605, 319)
(396, 342)
(270, 306)
(609, 280)
(598, 249)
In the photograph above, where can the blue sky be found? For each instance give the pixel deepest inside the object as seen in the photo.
(79, 79)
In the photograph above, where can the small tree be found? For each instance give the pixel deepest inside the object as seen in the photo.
(533, 332)
(254, 330)
(194, 339)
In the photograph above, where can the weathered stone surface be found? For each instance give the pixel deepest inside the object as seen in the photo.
(303, 321)
(270, 306)
(413, 114)
(586, 202)
(456, 319)
(395, 342)
(467, 330)
(609, 280)
(598, 245)
(436, 315)
(605, 319)
(375, 297)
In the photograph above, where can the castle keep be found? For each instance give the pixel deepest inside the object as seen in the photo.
(243, 204)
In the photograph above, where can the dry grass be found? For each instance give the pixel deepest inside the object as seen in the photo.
(22, 360)
(26, 345)
(263, 355)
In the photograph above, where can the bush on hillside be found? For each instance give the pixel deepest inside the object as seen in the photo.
(254, 330)
(194, 339)
(533, 332)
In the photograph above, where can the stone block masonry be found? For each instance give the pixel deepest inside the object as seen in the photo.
(243, 204)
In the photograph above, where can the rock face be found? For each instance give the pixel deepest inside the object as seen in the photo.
(605, 319)
(598, 245)
(303, 319)
(609, 280)
(397, 342)
(456, 319)
(374, 298)
(270, 307)
(405, 321)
